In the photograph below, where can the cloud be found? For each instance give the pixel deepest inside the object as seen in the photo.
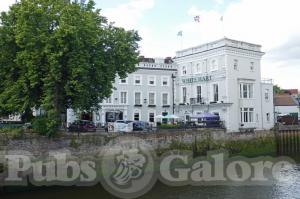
(272, 23)
(127, 15)
(220, 2)
(4, 5)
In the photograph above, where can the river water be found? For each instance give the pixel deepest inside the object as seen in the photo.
(287, 188)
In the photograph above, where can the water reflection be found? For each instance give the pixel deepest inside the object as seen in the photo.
(287, 188)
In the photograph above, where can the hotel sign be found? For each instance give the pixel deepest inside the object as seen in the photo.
(196, 79)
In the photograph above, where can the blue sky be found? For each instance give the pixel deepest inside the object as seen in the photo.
(274, 24)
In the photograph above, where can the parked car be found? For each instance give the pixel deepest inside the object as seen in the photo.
(141, 126)
(82, 126)
(123, 126)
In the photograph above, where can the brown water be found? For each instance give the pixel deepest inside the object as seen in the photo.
(289, 189)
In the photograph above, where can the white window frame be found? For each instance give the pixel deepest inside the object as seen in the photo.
(197, 96)
(245, 111)
(168, 80)
(184, 70)
(182, 99)
(120, 81)
(149, 98)
(267, 95)
(249, 92)
(154, 112)
(168, 99)
(120, 97)
(154, 80)
(252, 67)
(141, 96)
(213, 92)
(111, 100)
(198, 68)
(235, 64)
(140, 116)
(141, 80)
(213, 65)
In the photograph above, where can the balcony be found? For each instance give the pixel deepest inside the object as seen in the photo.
(138, 105)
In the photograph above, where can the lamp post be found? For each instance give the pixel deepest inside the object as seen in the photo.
(173, 93)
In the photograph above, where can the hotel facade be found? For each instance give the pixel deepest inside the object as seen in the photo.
(222, 77)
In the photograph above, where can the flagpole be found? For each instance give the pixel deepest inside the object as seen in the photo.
(223, 29)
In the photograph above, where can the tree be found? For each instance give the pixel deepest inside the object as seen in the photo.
(59, 54)
(277, 89)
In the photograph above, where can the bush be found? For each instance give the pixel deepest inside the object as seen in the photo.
(12, 132)
(169, 126)
(39, 125)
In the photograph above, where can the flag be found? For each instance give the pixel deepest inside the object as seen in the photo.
(221, 19)
(180, 33)
(197, 18)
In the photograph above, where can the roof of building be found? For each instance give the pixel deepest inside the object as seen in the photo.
(291, 91)
(285, 100)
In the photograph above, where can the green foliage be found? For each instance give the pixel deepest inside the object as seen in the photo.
(277, 89)
(249, 148)
(74, 143)
(39, 125)
(169, 126)
(13, 133)
(58, 54)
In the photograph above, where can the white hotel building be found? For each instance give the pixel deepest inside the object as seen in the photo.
(221, 77)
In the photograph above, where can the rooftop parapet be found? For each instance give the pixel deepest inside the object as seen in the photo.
(217, 44)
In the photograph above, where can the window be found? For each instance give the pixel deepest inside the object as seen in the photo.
(184, 70)
(247, 115)
(123, 97)
(267, 95)
(151, 117)
(151, 80)
(251, 66)
(165, 99)
(165, 81)
(136, 117)
(216, 92)
(108, 100)
(198, 68)
(214, 65)
(235, 64)
(199, 100)
(137, 98)
(246, 90)
(124, 81)
(138, 80)
(268, 117)
(151, 98)
(184, 95)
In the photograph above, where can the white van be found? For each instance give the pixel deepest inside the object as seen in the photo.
(123, 126)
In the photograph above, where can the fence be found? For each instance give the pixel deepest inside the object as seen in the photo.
(288, 141)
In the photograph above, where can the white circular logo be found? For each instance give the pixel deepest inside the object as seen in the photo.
(127, 167)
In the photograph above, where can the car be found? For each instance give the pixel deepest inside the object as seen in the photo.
(140, 126)
(82, 126)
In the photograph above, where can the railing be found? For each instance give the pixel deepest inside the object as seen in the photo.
(267, 81)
